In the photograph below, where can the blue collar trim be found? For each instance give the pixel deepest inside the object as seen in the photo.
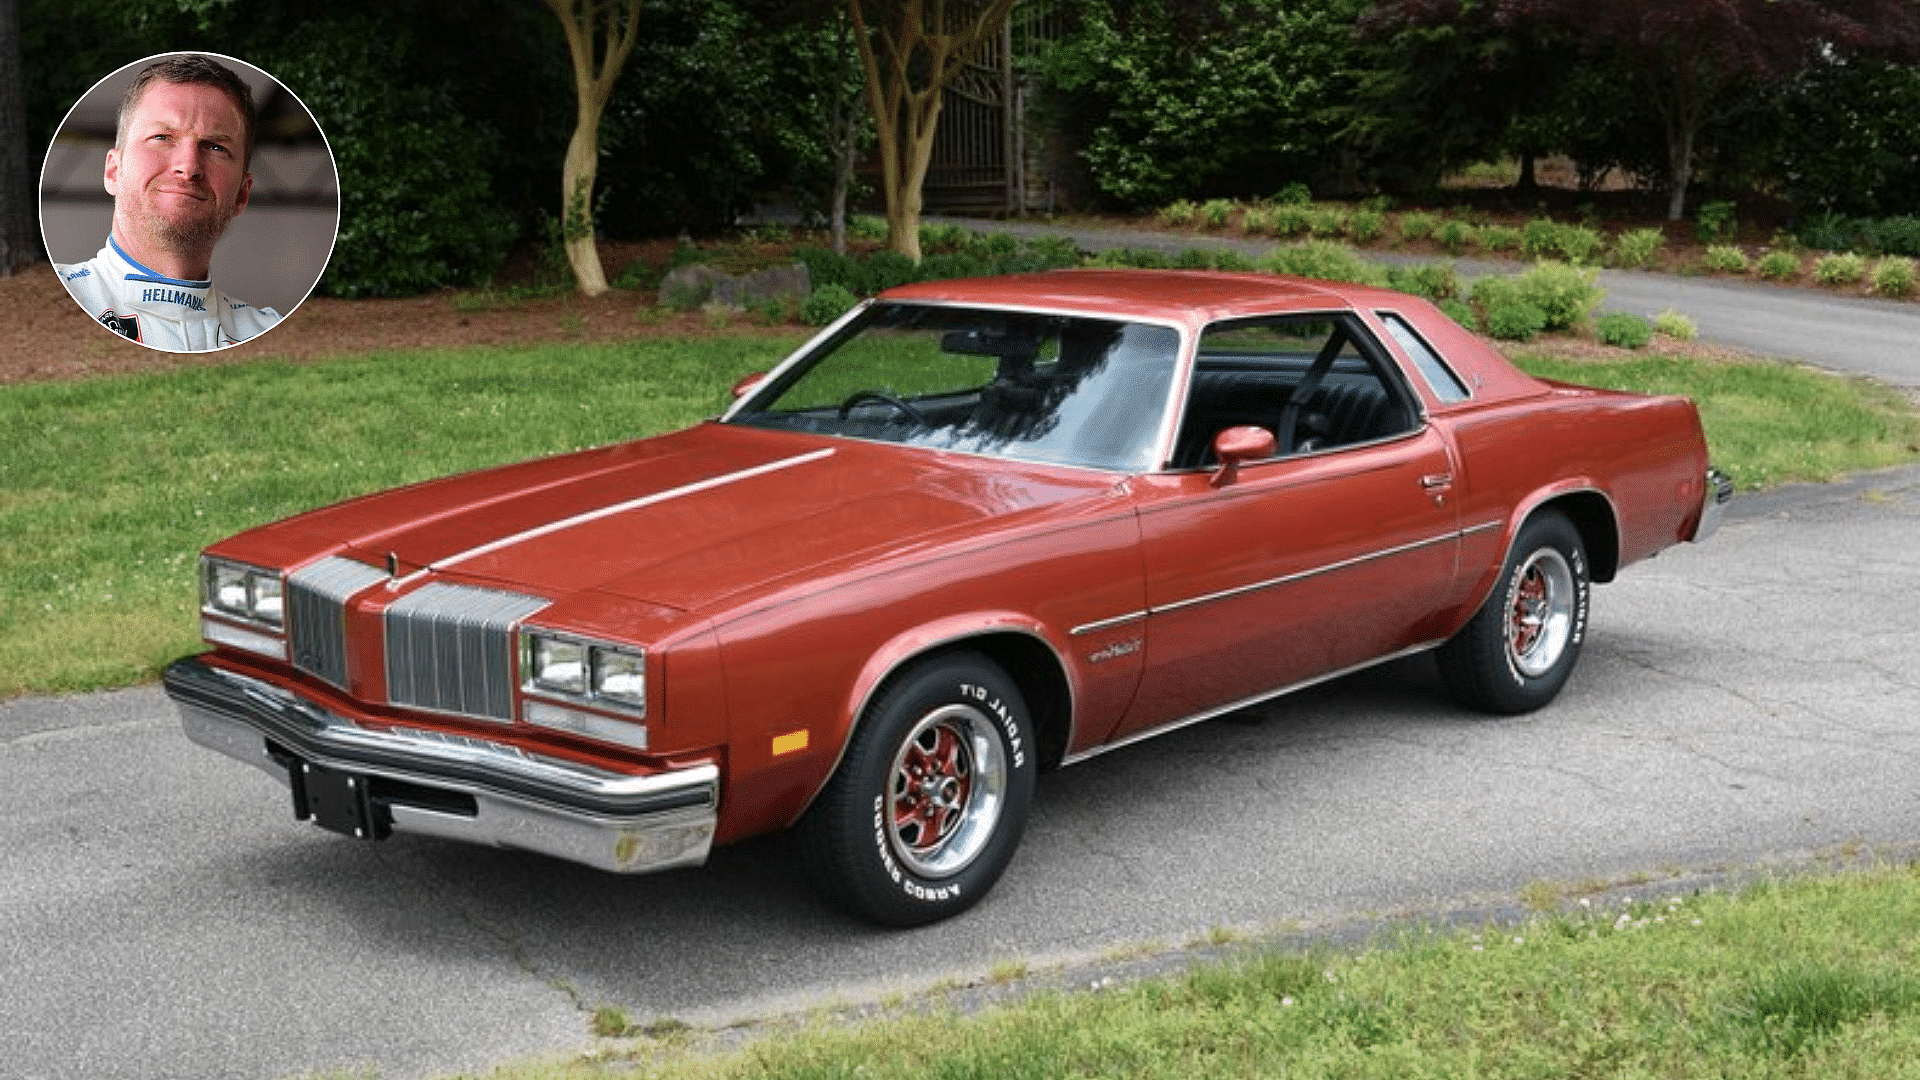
(148, 274)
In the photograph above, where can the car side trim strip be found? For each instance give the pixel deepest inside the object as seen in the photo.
(1222, 710)
(617, 508)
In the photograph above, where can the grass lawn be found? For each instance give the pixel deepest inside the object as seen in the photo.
(1810, 977)
(111, 486)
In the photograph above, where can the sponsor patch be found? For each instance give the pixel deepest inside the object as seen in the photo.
(127, 326)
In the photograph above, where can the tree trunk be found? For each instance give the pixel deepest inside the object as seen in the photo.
(19, 231)
(600, 34)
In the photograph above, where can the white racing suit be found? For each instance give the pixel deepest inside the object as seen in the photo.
(162, 312)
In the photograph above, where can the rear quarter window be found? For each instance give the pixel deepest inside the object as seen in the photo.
(1434, 371)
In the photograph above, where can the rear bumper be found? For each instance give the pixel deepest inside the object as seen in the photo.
(1713, 504)
(435, 784)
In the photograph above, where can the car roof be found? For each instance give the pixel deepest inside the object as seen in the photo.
(1183, 296)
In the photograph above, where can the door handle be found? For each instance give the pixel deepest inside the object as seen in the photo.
(1437, 481)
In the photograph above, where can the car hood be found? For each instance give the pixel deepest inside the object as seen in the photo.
(684, 521)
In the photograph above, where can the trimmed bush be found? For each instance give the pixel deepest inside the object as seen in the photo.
(1367, 225)
(1326, 261)
(1180, 213)
(1435, 281)
(1516, 321)
(1257, 221)
(1455, 236)
(827, 267)
(1623, 331)
(1540, 238)
(1461, 312)
(1324, 221)
(1216, 213)
(1418, 224)
(1779, 266)
(1565, 294)
(1233, 261)
(1291, 219)
(1675, 325)
(1843, 268)
(1894, 276)
(1637, 247)
(825, 304)
(1193, 259)
(1577, 242)
(1499, 238)
(1725, 259)
(1294, 194)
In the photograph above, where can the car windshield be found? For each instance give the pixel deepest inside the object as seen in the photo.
(1057, 389)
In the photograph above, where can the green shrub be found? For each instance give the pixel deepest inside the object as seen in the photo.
(1779, 266)
(945, 236)
(1725, 259)
(1216, 213)
(1894, 276)
(1180, 213)
(1326, 221)
(1516, 321)
(1895, 236)
(1418, 224)
(1257, 221)
(1294, 194)
(825, 304)
(1455, 236)
(953, 264)
(1637, 247)
(1565, 294)
(826, 267)
(1326, 261)
(1291, 219)
(1193, 259)
(1495, 290)
(1577, 242)
(1675, 325)
(1435, 281)
(1499, 238)
(1540, 238)
(1367, 225)
(867, 227)
(1842, 268)
(1233, 261)
(1714, 222)
(1460, 311)
(1623, 331)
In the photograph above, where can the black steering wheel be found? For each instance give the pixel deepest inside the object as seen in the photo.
(858, 396)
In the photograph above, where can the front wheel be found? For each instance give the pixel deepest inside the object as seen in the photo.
(1521, 646)
(928, 804)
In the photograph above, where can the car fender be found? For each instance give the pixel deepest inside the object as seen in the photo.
(1599, 527)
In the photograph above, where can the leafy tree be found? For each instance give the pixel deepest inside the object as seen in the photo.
(1844, 138)
(1177, 100)
(1699, 61)
(600, 34)
(911, 50)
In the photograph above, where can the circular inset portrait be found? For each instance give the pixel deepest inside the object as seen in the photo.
(189, 202)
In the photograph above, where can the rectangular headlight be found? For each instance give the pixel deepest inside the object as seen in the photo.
(239, 591)
(588, 672)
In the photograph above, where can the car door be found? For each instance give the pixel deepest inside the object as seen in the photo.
(1337, 551)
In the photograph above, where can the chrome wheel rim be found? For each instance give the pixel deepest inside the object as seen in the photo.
(1540, 613)
(948, 782)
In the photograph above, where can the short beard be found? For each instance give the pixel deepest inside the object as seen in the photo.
(197, 236)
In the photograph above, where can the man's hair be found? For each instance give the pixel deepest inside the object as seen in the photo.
(197, 71)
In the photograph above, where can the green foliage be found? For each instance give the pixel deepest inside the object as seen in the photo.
(1455, 236)
(1179, 213)
(1216, 213)
(1499, 238)
(1623, 331)
(1461, 312)
(1637, 247)
(1725, 259)
(1894, 276)
(1843, 139)
(1675, 325)
(1546, 238)
(1367, 225)
(1418, 224)
(416, 209)
(1516, 321)
(1715, 223)
(1840, 268)
(1435, 281)
(1326, 261)
(1326, 221)
(1291, 219)
(1170, 107)
(1294, 194)
(1193, 259)
(827, 267)
(1565, 294)
(1779, 266)
(826, 303)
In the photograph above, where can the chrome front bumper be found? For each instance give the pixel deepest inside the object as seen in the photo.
(431, 783)
(1713, 504)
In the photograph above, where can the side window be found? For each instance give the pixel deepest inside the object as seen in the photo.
(1315, 381)
(1439, 377)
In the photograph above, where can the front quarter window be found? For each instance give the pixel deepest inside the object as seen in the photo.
(1057, 389)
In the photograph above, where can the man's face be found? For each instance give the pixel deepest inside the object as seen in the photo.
(182, 174)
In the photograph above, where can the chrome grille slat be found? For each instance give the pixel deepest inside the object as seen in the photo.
(316, 601)
(450, 649)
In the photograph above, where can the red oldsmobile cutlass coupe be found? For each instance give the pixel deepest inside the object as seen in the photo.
(975, 529)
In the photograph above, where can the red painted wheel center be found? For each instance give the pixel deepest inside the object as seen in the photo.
(931, 791)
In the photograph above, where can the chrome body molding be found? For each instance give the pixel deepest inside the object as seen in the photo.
(1222, 710)
(1713, 504)
(458, 788)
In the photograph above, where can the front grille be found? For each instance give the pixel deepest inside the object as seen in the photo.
(450, 649)
(316, 605)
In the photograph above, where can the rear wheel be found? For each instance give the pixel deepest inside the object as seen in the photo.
(928, 805)
(1522, 645)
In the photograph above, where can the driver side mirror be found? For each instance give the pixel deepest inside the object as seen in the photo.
(747, 383)
(1240, 444)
